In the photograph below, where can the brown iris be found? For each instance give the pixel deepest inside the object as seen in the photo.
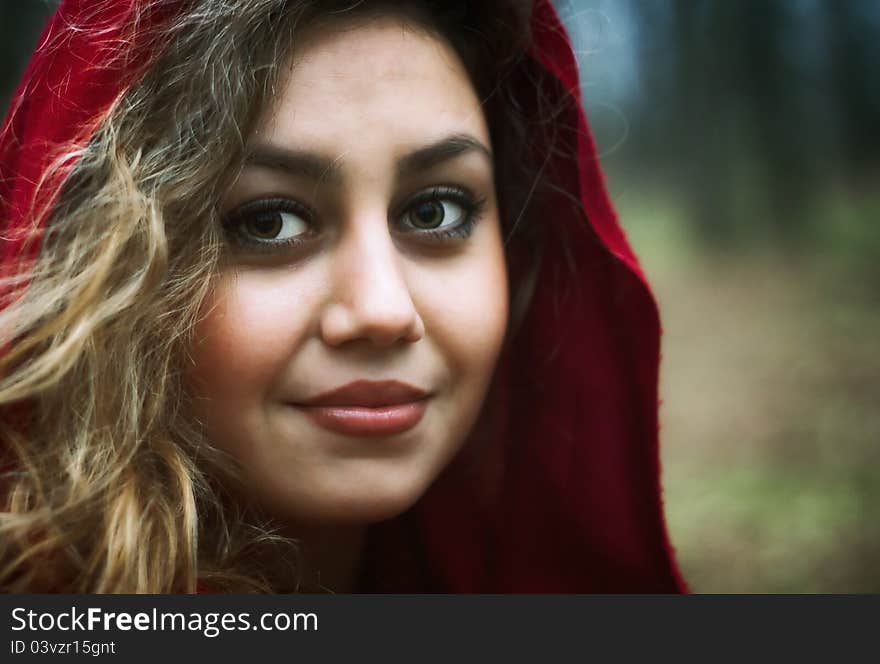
(266, 225)
(428, 214)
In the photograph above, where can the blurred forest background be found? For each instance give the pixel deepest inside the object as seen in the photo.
(742, 146)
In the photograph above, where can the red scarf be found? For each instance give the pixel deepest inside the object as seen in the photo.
(565, 495)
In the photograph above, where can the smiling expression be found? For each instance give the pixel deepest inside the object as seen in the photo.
(363, 245)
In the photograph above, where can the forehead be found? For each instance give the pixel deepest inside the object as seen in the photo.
(372, 78)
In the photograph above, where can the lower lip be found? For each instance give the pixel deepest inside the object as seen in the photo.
(363, 421)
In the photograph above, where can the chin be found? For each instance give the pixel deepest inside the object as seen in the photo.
(359, 504)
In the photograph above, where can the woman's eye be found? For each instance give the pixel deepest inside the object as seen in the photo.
(442, 214)
(435, 214)
(276, 225)
(268, 223)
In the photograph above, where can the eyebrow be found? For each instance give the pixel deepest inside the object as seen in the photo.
(444, 150)
(319, 167)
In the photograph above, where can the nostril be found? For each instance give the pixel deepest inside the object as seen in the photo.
(417, 331)
(383, 327)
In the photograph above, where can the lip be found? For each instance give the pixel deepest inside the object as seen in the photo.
(369, 394)
(368, 408)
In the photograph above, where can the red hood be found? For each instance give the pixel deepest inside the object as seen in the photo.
(561, 493)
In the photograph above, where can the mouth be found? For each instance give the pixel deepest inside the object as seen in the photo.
(370, 393)
(367, 408)
(366, 420)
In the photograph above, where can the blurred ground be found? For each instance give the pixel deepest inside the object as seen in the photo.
(770, 420)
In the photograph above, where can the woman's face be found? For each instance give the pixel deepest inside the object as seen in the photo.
(364, 245)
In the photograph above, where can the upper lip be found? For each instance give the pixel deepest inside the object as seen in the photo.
(368, 393)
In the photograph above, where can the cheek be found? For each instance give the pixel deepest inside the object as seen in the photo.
(242, 343)
(465, 307)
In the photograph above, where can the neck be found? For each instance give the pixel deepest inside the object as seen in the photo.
(332, 557)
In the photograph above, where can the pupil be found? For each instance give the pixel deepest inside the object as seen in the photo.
(429, 213)
(266, 225)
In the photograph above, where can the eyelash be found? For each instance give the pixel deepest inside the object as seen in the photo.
(472, 206)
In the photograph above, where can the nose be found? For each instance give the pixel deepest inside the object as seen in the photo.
(370, 296)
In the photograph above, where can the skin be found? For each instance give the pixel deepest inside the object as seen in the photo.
(365, 296)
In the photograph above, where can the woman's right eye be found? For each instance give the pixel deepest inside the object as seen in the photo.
(269, 223)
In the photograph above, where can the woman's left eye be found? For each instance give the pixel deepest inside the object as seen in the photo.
(434, 214)
(443, 212)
